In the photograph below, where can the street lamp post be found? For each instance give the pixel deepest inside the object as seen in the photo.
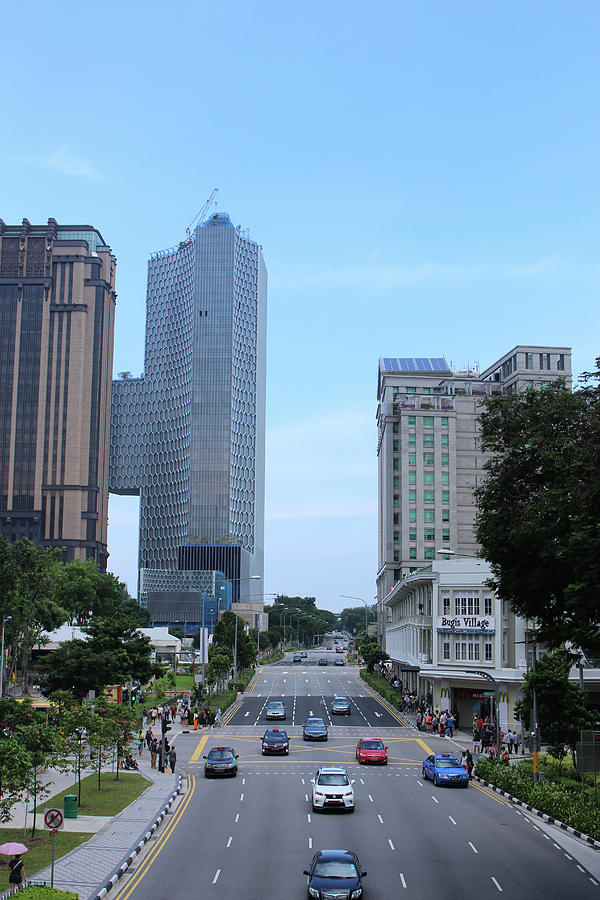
(494, 684)
(5, 619)
(348, 597)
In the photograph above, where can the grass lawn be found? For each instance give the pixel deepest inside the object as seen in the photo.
(109, 800)
(184, 683)
(40, 849)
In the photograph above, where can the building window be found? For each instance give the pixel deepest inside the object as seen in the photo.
(396, 482)
(427, 421)
(560, 362)
(429, 515)
(429, 459)
(395, 409)
(446, 537)
(445, 496)
(545, 384)
(466, 649)
(428, 440)
(426, 390)
(396, 500)
(411, 390)
(428, 496)
(412, 495)
(429, 553)
(445, 478)
(412, 534)
(528, 385)
(412, 477)
(429, 534)
(412, 459)
(487, 649)
(395, 427)
(428, 477)
(445, 459)
(412, 421)
(396, 537)
(445, 649)
(444, 440)
(397, 575)
(445, 603)
(444, 421)
(412, 553)
(396, 519)
(396, 556)
(505, 648)
(467, 604)
(396, 462)
(412, 438)
(396, 446)
(544, 361)
(529, 360)
(445, 515)
(487, 605)
(412, 515)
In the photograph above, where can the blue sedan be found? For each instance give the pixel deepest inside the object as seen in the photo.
(314, 729)
(444, 768)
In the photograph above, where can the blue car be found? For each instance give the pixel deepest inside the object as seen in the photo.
(444, 768)
(314, 729)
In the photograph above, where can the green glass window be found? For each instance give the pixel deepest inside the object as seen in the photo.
(412, 459)
(412, 477)
(429, 515)
(428, 459)
(396, 482)
(429, 496)
(445, 459)
(444, 440)
(411, 390)
(396, 519)
(445, 515)
(427, 421)
(412, 553)
(426, 390)
(412, 420)
(445, 477)
(412, 534)
(396, 500)
(429, 553)
(412, 438)
(429, 534)
(412, 515)
(396, 446)
(428, 477)
(444, 421)
(445, 534)
(396, 537)
(428, 440)
(445, 496)
(395, 409)
(412, 496)
(396, 556)
(395, 427)
(396, 462)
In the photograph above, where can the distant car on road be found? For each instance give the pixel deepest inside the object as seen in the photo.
(335, 873)
(323, 661)
(372, 750)
(304, 654)
(444, 768)
(314, 729)
(340, 706)
(297, 657)
(338, 661)
(275, 740)
(275, 710)
(332, 789)
(221, 761)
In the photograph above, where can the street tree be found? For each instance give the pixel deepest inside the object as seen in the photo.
(560, 702)
(225, 637)
(15, 772)
(76, 725)
(40, 741)
(219, 663)
(539, 508)
(372, 653)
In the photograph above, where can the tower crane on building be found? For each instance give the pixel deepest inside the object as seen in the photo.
(202, 214)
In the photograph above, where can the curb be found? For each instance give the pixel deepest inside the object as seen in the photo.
(550, 819)
(385, 703)
(126, 862)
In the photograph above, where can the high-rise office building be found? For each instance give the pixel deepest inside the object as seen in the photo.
(188, 436)
(57, 307)
(429, 456)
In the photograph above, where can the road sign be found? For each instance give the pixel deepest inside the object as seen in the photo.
(54, 819)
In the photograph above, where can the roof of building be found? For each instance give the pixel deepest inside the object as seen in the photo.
(419, 364)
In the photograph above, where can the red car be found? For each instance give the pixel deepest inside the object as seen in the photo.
(371, 750)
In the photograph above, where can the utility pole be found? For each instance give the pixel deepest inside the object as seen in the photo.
(536, 730)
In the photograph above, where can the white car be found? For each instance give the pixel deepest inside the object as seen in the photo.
(332, 789)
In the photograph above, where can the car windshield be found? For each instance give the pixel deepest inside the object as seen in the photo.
(335, 868)
(450, 762)
(372, 745)
(333, 778)
(276, 704)
(316, 723)
(220, 754)
(276, 735)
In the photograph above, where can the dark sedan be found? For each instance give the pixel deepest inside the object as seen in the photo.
(275, 740)
(323, 661)
(221, 761)
(335, 873)
(314, 729)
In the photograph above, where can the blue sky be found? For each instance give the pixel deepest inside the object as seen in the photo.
(423, 178)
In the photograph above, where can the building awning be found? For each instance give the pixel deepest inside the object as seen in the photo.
(407, 667)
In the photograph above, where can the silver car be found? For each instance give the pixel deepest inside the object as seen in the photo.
(275, 710)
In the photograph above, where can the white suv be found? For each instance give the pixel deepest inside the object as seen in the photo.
(332, 789)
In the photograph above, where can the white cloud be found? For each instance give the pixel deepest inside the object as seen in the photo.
(63, 161)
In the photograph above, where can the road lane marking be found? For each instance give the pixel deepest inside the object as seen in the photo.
(306, 797)
(379, 817)
(308, 817)
(310, 843)
(496, 883)
(198, 751)
(581, 869)
(402, 880)
(473, 847)
(391, 845)
(216, 878)
(362, 781)
(547, 838)
(229, 842)
(237, 817)
(435, 799)
(569, 857)
(243, 781)
(452, 820)
(420, 783)
(241, 797)
(556, 845)
(247, 713)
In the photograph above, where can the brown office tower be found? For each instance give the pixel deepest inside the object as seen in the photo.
(57, 308)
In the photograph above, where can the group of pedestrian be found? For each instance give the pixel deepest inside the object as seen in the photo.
(441, 722)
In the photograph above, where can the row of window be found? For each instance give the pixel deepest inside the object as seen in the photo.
(469, 649)
(546, 361)
(426, 422)
(428, 535)
(428, 497)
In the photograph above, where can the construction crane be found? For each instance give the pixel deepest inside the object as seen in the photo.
(202, 214)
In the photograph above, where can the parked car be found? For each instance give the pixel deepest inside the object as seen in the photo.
(444, 768)
(372, 750)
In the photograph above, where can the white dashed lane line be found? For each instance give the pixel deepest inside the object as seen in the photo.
(496, 883)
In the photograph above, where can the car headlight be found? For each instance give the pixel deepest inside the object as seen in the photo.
(314, 893)
(356, 894)
(444, 777)
(319, 794)
(348, 794)
(265, 746)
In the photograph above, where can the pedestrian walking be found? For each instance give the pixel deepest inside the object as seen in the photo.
(449, 726)
(153, 714)
(516, 739)
(218, 715)
(470, 764)
(17, 877)
(172, 759)
(196, 720)
(509, 741)
(145, 719)
(153, 753)
(140, 741)
(149, 737)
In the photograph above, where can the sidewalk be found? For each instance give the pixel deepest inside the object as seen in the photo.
(464, 739)
(102, 859)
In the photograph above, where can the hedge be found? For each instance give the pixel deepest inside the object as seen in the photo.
(35, 892)
(553, 799)
(385, 690)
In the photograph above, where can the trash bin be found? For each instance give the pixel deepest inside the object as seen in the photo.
(70, 806)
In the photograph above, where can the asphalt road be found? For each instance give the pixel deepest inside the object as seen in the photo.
(252, 836)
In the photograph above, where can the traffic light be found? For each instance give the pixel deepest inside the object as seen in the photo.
(165, 725)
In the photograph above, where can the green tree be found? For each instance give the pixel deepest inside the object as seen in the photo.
(15, 772)
(224, 636)
(538, 519)
(219, 663)
(40, 741)
(76, 726)
(561, 711)
(372, 653)
(352, 618)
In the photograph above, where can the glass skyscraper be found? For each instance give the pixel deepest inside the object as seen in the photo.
(188, 436)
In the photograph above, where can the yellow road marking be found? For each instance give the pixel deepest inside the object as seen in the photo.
(234, 709)
(197, 752)
(488, 793)
(376, 697)
(145, 865)
(422, 743)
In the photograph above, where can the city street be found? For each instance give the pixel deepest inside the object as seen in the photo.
(253, 835)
